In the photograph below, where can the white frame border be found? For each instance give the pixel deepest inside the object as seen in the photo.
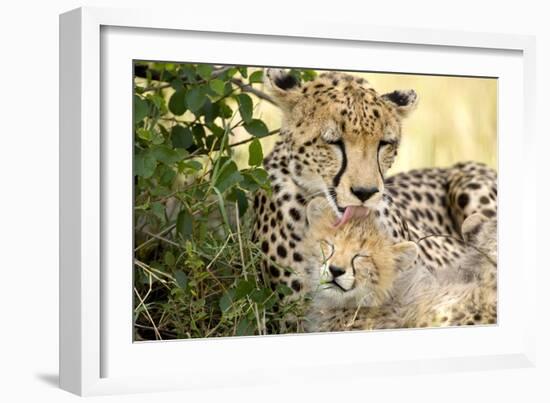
(80, 166)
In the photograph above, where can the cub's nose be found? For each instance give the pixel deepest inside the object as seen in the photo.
(363, 193)
(336, 271)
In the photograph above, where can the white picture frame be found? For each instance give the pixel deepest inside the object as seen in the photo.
(96, 349)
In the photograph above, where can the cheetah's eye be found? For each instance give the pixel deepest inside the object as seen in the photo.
(384, 143)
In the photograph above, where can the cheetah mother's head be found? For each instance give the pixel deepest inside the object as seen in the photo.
(341, 136)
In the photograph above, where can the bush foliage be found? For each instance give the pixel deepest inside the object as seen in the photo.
(196, 269)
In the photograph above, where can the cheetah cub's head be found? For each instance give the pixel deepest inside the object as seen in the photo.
(341, 136)
(355, 264)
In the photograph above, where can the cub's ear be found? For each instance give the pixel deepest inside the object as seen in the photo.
(404, 101)
(472, 226)
(283, 86)
(319, 215)
(405, 254)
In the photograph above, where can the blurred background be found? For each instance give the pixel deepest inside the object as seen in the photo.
(456, 119)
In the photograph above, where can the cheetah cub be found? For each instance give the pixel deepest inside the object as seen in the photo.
(365, 282)
(354, 267)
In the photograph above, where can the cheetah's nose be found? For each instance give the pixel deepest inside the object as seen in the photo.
(336, 271)
(363, 193)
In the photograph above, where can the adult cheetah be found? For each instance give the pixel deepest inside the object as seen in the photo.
(338, 139)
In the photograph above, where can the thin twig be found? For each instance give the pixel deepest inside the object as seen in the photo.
(249, 88)
(148, 315)
(164, 231)
(161, 238)
(240, 143)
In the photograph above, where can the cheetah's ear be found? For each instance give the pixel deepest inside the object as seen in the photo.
(471, 227)
(404, 101)
(405, 254)
(283, 86)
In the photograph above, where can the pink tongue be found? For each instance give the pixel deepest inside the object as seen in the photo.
(349, 212)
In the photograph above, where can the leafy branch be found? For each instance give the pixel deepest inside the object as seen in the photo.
(198, 153)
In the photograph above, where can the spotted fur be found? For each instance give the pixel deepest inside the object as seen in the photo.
(416, 297)
(338, 139)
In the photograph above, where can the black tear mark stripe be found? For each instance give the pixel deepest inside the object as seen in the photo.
(338, 177)
(380, 145)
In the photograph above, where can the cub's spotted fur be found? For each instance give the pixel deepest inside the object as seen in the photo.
(364, 280)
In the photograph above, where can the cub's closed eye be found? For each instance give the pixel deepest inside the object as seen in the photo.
(384, 143)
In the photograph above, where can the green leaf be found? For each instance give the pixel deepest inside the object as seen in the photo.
(170, 66)
(255, 178)
(193, 164)
(226, 300)
(210, 111)
(181, 278)
(243, 70)
(204, 70)
(144, 134)
(184, 224)
(225, 111)
(140, 109)
(195, 99)
(177, 84)
(228, 177)
(158, 210)
(158, 138)
(167, 176)
(181, 137)
(144, 164)
(169, 259)
(308, 75)
(256, 127)
(245, 107)
(177, 102)
(245, 328)
(165, 154)
(198, 132)
(218, 86)
(228, 88)
(158, 101)
(255, 153)
(162, 129)
(230, 73)
(216, 130)
(189, 72)
(283, 289)
(260, 296)
(238, 196)
(244, 287)
(259, 175)
(256, 77)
